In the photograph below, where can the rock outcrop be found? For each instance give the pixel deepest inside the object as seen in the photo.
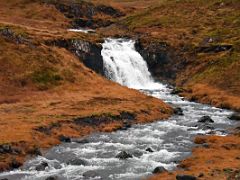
(162, 59)
(89, 53)
(86, 14)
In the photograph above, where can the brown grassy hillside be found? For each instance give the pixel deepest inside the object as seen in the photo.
(46, 90)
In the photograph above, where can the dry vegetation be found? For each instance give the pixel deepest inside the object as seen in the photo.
(44, 89)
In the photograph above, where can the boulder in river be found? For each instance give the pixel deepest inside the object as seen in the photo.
(51, 178)
(15, 164)
(42, 166)
(149, 150)
(235, 116)
(124, 155)
(77, 162)
(159, 170)
(63, 138)
(185, 177)
(90, 174)
(206, 119)
(178, 111)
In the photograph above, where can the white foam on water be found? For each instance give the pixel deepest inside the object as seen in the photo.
(82, 30)
(123, 64)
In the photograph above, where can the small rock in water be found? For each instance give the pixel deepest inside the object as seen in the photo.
(206, 119)
(63, 138)
(15, 164)
(235, 116)
(185, 177)
(177, 90)
(77, 162)
(90, 174)
(159, 170)
(124, 155)
(149, 150)
(51, 178)
(178, 111)
(42, 166)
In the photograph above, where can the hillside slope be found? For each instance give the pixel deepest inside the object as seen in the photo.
(47, 94)
(196, 43)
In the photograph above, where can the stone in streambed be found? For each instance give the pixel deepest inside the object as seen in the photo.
(124, 155)
(15, 164)
(42, 166)
(178, 111)
(235, 116)
(149, 150)
(159, 170)
(65, 139)
(51, 178)
(206, 119)
(185, 177)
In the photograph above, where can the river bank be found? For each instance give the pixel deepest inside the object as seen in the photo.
(43, 108)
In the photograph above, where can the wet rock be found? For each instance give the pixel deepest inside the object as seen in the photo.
(89, 53)
(65, 139)
(77, 162)
(214, 48)
(159, 170)
(35, 151)
(177, 90)
(201, 175)
(149, 150)
(185, 177)
(205, 145)
(124, 155)
(235, 116)
(126, 125)
(15, 164)
(42, 166)
(90, 174)
(178, 111)
(5, 148)
(206, 119)
(51, 178)
(127, 115)
(11, 35)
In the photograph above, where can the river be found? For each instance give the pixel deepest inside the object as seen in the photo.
(168, 141)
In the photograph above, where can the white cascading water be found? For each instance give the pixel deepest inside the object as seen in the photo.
(123, 64)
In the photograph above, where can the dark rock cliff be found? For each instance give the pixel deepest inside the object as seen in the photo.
(89, 53)
(163, 61)
(84, 14)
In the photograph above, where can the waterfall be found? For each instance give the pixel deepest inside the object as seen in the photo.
(124, 65)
